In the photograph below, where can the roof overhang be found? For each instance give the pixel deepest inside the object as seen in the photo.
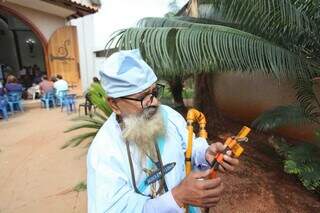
(68, 9)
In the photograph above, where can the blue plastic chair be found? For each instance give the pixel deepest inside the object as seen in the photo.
(60, 96)
(14, 100)
(69, 103)
(48, 100)
(3, 107)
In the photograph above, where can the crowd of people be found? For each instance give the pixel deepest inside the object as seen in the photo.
(44, 85)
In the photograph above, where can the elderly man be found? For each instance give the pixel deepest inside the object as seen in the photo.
(136, 162)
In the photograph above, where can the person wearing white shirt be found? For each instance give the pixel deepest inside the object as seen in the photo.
(136, 162)
(60, 85)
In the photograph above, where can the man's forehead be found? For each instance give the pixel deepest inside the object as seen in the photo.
(145, 91)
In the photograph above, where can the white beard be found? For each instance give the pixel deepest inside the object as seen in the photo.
(143, 130)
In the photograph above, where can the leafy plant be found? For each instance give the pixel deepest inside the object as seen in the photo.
(301, 160)
(274, 37)
(97, 97)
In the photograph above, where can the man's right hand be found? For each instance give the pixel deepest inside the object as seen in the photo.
(203, 193)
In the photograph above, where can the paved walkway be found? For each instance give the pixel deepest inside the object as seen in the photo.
(35, 174)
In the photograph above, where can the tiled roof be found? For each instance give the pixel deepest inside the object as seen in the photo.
(85, 3)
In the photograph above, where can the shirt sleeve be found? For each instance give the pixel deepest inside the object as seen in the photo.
(163, 203)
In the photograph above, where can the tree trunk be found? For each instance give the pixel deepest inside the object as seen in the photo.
(204, 101)
(176, 88)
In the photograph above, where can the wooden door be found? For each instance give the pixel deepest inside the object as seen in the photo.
(63, 55)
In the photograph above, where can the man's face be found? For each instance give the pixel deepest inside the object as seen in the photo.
(136, 103)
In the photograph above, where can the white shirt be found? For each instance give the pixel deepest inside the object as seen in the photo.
(109, 184)
(60, 85)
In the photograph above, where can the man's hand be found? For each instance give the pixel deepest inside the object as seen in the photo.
(203, 193)
(228, 163)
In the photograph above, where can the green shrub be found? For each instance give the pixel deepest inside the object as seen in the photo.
(303, 161)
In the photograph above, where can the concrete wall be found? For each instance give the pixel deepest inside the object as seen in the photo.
(244, 97)
(45, 22)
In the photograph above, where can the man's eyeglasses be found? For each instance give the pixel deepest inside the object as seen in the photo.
(148, 99)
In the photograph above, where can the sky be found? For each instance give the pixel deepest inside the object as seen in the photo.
(119, 14)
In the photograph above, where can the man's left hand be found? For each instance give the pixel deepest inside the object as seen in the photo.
(228, 163)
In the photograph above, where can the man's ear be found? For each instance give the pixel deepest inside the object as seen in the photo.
(113, 104)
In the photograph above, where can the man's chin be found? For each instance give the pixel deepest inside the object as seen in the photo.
(149, 112)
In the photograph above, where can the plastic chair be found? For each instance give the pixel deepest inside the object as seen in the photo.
(3, 107)
(69, 102)
(60, 96)
(14, 99)
(47, 99)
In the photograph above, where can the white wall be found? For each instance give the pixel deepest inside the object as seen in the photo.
(46, 23)
(95, 30)
(85, 30)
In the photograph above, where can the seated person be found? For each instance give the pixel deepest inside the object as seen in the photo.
(60, 85)
(12, 85)
(45, 85)
(34, 91)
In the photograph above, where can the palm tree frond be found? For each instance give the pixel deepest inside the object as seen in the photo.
(275, 19)
(83, 125)
(203, 48)
(98, 98)
(308, 99)
(75, 141)
(280, 116)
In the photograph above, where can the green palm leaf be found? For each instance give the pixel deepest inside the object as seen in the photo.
(273, 19)
(280, 116)
(79, 139)
(98, 98)
(210, 48)
(308, 99)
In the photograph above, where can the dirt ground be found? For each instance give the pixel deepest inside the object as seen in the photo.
(36, 176)
(260, 185)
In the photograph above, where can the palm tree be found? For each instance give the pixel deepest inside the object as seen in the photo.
(274, 37)
(94, 122)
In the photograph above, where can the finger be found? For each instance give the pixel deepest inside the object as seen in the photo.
(210, 183)
(215, 147)
(230, 160)
(218, 147)
(210, 205)
(221, 169)
(215, 192)
(227, 167)
(201, 174)
(211, 201)
(229, 152)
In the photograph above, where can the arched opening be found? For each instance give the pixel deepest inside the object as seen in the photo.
(23, 48)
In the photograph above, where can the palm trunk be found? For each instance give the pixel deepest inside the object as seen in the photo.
(176, 88)
(204, 101)
(204, 94)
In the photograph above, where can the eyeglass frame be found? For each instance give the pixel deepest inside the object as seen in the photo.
(153, 94)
